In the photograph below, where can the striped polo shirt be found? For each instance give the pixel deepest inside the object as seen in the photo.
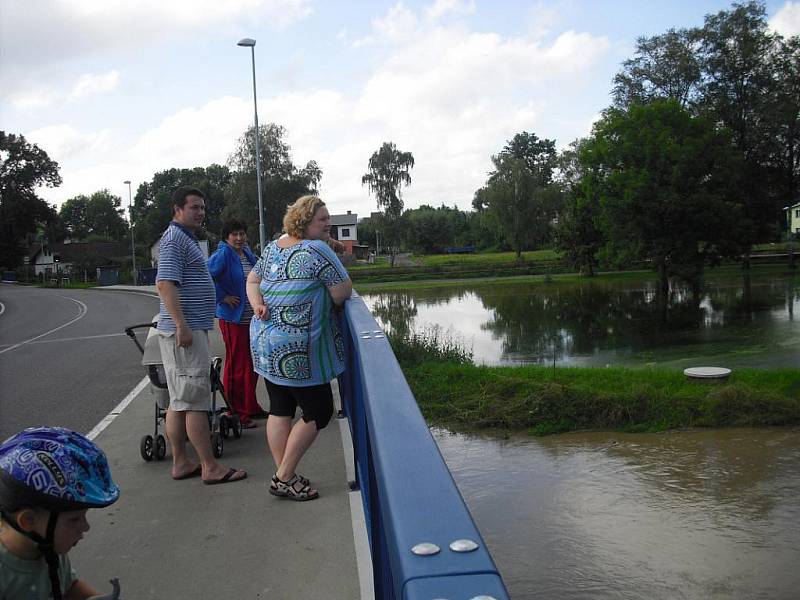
(181, 261)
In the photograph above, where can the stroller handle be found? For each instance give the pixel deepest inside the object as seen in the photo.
(131, 333)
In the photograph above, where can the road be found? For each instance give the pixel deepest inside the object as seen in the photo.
(64, 357)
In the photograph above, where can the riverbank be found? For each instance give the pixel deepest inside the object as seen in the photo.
(542, 400)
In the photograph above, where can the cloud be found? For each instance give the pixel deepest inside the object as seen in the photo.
(442, 7)
(787, 20)
(40, 33)
(450, 95)
(91, 84)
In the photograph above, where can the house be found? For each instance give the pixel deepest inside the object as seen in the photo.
(344, 229)
(793, 218)
(154, 250)
(54, 260)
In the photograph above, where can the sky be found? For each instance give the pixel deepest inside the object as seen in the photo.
(115, 90)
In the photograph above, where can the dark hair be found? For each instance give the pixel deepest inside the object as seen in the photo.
(180, 195)
(228, 227)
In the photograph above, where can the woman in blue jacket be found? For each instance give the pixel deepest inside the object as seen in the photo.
(229, 266)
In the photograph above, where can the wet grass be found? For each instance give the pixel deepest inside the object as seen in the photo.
(460, 396)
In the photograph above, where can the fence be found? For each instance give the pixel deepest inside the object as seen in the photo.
(423, 540)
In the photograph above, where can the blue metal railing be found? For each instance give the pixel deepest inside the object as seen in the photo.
(409, 495)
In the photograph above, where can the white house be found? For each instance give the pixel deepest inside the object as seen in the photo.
(344, 229)
(154, 250)
(793, 218)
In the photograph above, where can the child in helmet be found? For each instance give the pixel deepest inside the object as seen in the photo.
(49, 478)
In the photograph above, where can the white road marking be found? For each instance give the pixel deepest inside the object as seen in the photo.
(2, 308)
(82, 310)
(118, 409)
(76, 339)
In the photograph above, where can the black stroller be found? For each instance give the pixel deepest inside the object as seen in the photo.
(222, 421)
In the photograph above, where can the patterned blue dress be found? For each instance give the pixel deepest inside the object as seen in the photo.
(300, 344)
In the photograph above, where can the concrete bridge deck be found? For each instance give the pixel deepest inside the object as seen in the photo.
(182, 539)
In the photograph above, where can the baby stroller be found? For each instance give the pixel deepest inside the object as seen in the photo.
(222, 421)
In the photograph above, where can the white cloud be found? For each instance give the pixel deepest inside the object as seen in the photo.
(449, 95)
(91, 84)
(65, 142)
(442, 7)
(787, 20)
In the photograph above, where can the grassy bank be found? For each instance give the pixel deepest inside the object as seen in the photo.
(456, 394)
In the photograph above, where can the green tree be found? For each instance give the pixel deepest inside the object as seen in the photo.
(737, 90)
(521, 198)
(668, 188)
(98, 216)
(578, 234)
(23, 168)
(282, 182)
(388, 171)
(664, 67)
(152, 205)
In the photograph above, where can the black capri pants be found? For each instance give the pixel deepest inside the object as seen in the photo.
(315, 402)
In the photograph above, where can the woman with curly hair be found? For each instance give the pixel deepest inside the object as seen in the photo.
(294, 338)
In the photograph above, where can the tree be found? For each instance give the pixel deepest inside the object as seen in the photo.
(520, 196)
(668, 188)
(388, 172)
(664, 67)
(23, 168)
(152, 204)
(98, 216)
(578, 233)
(282, 182)
(738, 86)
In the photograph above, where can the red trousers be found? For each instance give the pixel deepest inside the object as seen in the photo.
(239, 379)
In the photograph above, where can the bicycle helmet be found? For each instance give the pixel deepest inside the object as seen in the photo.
(57, 470)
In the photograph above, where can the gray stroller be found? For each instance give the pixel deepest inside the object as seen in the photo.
(222, 421)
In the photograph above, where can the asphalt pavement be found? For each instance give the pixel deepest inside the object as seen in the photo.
(182, 539)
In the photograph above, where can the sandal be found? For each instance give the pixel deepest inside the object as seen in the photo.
(294, 489)
(273, 484)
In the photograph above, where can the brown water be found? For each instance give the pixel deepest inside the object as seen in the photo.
(699, 514)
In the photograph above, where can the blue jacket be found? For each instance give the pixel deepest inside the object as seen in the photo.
(226, 270)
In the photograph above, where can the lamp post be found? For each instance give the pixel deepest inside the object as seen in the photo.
(133, 244)
(251, 43)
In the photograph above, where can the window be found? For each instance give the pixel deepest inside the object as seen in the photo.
(346, 231)
(797, 213)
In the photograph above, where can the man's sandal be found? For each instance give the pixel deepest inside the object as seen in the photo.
(294, 489)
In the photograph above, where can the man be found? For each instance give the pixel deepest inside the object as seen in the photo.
(185, 317)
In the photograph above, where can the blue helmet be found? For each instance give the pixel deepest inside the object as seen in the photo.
(55, 469)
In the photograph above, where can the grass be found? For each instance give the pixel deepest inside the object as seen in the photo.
(487, 258)
(456, 394)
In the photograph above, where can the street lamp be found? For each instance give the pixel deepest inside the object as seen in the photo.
(251, 43)
(133, 244)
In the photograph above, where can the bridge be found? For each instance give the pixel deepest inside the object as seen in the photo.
(399, 530)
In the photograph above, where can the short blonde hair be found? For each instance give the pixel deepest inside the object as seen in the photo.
(300, 214)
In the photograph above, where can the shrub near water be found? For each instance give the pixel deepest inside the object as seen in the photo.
(453, 392)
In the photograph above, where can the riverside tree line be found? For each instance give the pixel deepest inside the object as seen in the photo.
(691, 164)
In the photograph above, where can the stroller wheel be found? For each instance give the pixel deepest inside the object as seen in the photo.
(216, 444)
(161, 447)
(236, 426)
(224, 426)
(146, 447)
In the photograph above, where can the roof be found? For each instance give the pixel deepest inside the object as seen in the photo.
(348, 219)
(75, 250)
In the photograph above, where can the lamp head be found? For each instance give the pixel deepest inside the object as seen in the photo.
(248, 42)
(127, 182)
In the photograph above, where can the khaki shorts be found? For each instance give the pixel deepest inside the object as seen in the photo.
(187, 370)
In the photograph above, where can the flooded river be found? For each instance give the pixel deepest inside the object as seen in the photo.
(700, 514)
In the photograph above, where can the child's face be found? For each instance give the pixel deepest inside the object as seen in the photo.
(70, 527)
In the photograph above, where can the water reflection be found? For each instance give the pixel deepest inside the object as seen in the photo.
(705, 514)
(742, 321)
